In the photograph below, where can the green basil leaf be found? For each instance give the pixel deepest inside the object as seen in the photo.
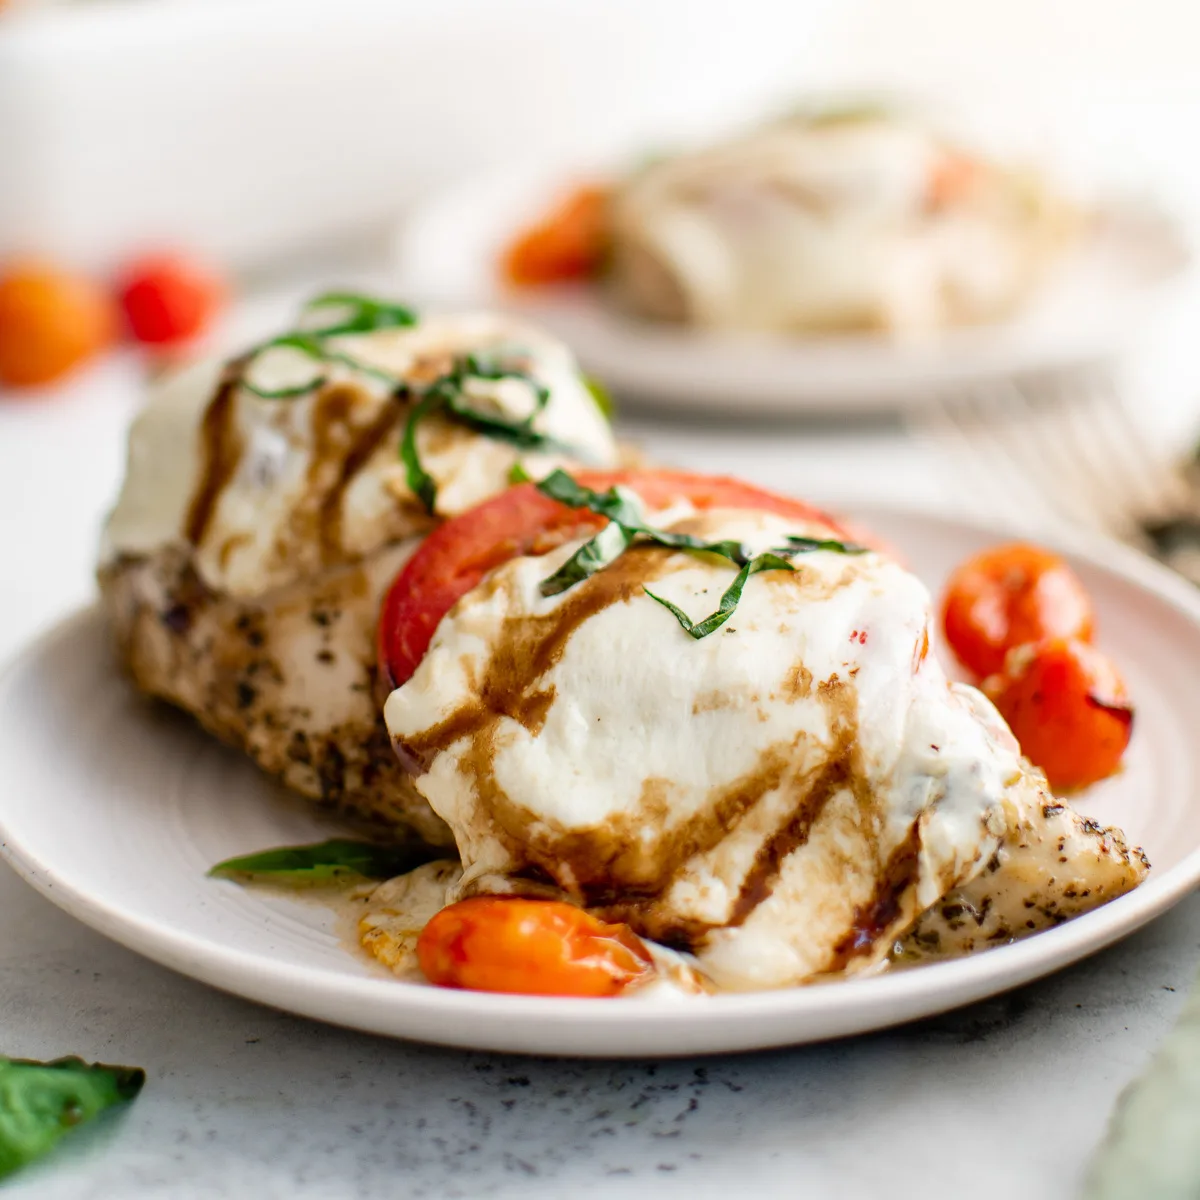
(601, 396)
(501, 429)
(42, 1101)
(624, 507)
(328, 862)
(729, 600)
(617, 504)
(448, 393)
(518, 474)
(364, 314)
(627, 522)
(309, 344)
(304, 344)
(806, 545)
(420, 482)
(594, 555)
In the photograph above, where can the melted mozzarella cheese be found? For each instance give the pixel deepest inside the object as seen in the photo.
(290, 486)
(822, 226)
(755, 795)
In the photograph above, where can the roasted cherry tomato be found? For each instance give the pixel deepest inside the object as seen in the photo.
(457, 555)
(531, 947)
(1010, 596)
(568, 243)
(952, 179)
(168, 299)
(1067, 707)
(50, 323)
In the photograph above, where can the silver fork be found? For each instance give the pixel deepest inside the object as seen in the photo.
(1064, 451)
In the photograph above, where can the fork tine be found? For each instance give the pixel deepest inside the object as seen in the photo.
(1032, 433)
(989, 482)
(1066, 447)
(1152, 487)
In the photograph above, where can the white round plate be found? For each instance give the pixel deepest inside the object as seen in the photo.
(114, 808)
(446, 250)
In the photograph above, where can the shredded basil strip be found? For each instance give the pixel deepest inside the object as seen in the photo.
(420, 482)
(366, 314)
(729, 599)
(40, 1102)
(327, 862)
(627, 522)
(303, 342)
(594, 555)
(447, 393)
(601, 396)
(518, 474)
(806, 545)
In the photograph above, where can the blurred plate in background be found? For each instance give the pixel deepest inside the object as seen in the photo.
(1090, 308)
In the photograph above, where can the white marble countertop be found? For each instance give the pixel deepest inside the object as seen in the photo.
(1007, 1097)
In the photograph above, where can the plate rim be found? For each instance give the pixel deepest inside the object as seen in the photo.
(867, 1003)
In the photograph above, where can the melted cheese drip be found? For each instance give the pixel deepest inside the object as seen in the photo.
(781, 796)
(269, 491)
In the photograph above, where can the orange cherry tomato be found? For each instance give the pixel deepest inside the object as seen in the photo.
(530, 947)
(1010, 596)
(168, 299)
(568, 243)
(1067, 706)
(951, 179)
(50, 323)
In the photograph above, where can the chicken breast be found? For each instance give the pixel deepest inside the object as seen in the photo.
(261, 520)
(782, 798)
(861, 220)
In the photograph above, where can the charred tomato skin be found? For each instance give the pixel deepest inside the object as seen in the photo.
(1067, 706)
(1009, 596)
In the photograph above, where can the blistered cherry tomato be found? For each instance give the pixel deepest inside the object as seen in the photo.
(1010, 596)
(952, 178)
(1067, 707)
(50, 323)
(169, 299)
(530, 947)
(568, 243)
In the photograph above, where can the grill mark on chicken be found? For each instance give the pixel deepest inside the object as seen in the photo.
(760, 880)
(625, 866)
(593, 863)
(222, 451)
(841, 773)
(329, 520)
(598, 864)
(885, 908)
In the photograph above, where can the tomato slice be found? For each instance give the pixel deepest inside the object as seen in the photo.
(457, 555)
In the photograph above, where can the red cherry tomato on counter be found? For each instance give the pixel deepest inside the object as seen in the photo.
(50, 323)
(530, 947)
(1009, 596)
(168, 299)
(457, 555)
(1067, 707)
